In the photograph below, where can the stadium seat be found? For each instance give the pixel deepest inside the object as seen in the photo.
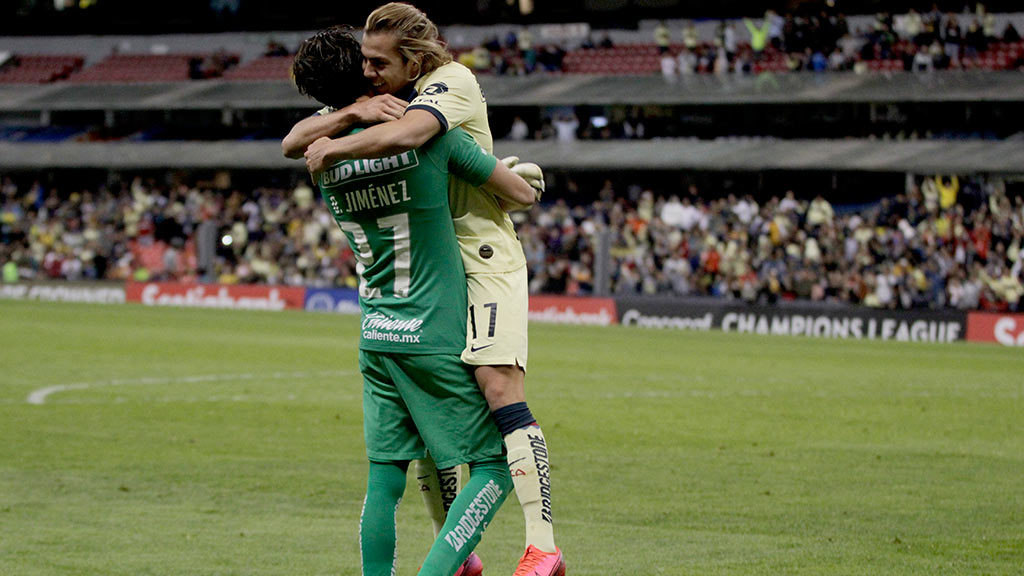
(40, 68)
(263, 68)
(141, 68)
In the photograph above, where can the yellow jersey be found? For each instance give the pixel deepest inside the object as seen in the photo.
(487, 238)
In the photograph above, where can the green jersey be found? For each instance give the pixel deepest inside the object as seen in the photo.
(395, 213)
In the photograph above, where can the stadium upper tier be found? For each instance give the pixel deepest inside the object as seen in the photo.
(543, 91)
(631, 59)
(742, 155)
(775, 43)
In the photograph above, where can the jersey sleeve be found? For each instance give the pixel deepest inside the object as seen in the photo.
(452, 96)
(467, 160)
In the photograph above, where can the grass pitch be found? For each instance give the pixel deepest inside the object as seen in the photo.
(202, 442)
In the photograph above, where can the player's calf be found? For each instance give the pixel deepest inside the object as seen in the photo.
(473, 509)
(530, 469)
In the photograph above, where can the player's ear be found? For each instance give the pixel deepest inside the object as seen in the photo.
(414, 68)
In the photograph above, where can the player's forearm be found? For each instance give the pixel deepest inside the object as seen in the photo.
(370, 144)
(408, 132)
(513, 192)
(511, 206)
(307, 130)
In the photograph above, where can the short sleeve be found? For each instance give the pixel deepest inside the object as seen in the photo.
(451, 94)
(467, 160)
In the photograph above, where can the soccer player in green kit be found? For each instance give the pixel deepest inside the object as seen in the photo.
(417, 393)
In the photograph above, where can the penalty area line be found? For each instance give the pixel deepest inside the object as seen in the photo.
(38, 397)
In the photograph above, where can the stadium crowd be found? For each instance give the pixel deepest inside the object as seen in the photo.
(144, 231)
(826, 41)
(943, 243)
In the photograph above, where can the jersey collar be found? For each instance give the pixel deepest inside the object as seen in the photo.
(408, 94)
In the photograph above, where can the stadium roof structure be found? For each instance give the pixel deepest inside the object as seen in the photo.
(548, 90)
(921, 156)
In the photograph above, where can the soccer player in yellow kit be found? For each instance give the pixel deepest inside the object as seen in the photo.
(402, 53)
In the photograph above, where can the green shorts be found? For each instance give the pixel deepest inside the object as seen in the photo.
(414, 403)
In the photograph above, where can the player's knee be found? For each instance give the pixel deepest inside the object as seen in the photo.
(496, 470)
(501, 385)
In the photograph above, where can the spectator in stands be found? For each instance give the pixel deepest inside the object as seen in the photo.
(668, 66)
(686, 62)
(519, 130)
(912, 28)
(818, 61)
(721, 62)
(799, 62)
(1010, 34)
(275, 49)
(479, 59)
(662, 38)
(511, 40)
(793, 34)
(195, 68)
(975, 41)
(759, 34)
(1006, 288)
(922, 61)
(728, 40)
(691, 38)
(836, 61)
(940, 59)
(672, 212)
(10, 268)
(947, 190)
(606, 41)
(566, 126)
(744, 62)
(524, 44)
(988, 23)
(952, 39)
(551, 58)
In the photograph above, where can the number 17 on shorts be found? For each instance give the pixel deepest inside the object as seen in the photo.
(496, 320)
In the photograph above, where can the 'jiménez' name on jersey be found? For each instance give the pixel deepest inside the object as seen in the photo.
(373, 196)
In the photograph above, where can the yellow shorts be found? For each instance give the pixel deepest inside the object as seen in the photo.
(497, 319)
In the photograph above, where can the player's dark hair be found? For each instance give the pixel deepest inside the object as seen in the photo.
(328, 67)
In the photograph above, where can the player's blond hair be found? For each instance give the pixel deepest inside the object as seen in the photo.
(418, 38)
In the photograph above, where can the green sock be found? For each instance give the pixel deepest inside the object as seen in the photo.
(471, 512)
(377, 536)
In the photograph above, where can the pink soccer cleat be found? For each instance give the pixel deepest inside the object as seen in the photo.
(471, 567)
(536, 562)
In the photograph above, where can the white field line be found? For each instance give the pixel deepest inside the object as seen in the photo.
(38, 397)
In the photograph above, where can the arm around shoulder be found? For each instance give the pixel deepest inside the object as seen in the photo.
(408, 132)
(308, 130)
(382, 108)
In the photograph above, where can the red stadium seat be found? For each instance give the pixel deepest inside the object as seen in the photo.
(263, 68)
(38, 69)
(141, 68)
